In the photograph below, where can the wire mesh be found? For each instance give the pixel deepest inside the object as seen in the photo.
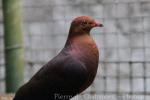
(124, 46)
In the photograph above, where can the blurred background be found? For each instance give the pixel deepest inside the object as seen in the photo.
(124, 43)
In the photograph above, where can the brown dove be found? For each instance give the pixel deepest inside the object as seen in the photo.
(71, 71)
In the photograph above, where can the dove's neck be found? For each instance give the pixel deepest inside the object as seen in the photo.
(76, 37)
(82, 45)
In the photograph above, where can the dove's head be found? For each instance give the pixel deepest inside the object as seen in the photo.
(83, 24)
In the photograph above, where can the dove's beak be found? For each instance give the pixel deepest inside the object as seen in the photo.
(98, 24)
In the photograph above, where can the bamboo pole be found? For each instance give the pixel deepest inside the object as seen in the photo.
(14, 60)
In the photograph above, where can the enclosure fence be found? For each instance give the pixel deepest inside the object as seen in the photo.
(123, 42)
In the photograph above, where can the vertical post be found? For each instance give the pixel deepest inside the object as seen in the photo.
(14, 57)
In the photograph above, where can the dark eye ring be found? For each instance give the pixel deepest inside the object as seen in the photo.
(84, 22)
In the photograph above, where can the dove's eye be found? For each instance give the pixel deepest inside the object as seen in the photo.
(84, 22)
(90, 23)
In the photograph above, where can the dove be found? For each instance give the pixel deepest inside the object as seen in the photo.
(70, 72)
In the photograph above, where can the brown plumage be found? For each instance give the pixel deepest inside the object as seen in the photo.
(71, 71)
